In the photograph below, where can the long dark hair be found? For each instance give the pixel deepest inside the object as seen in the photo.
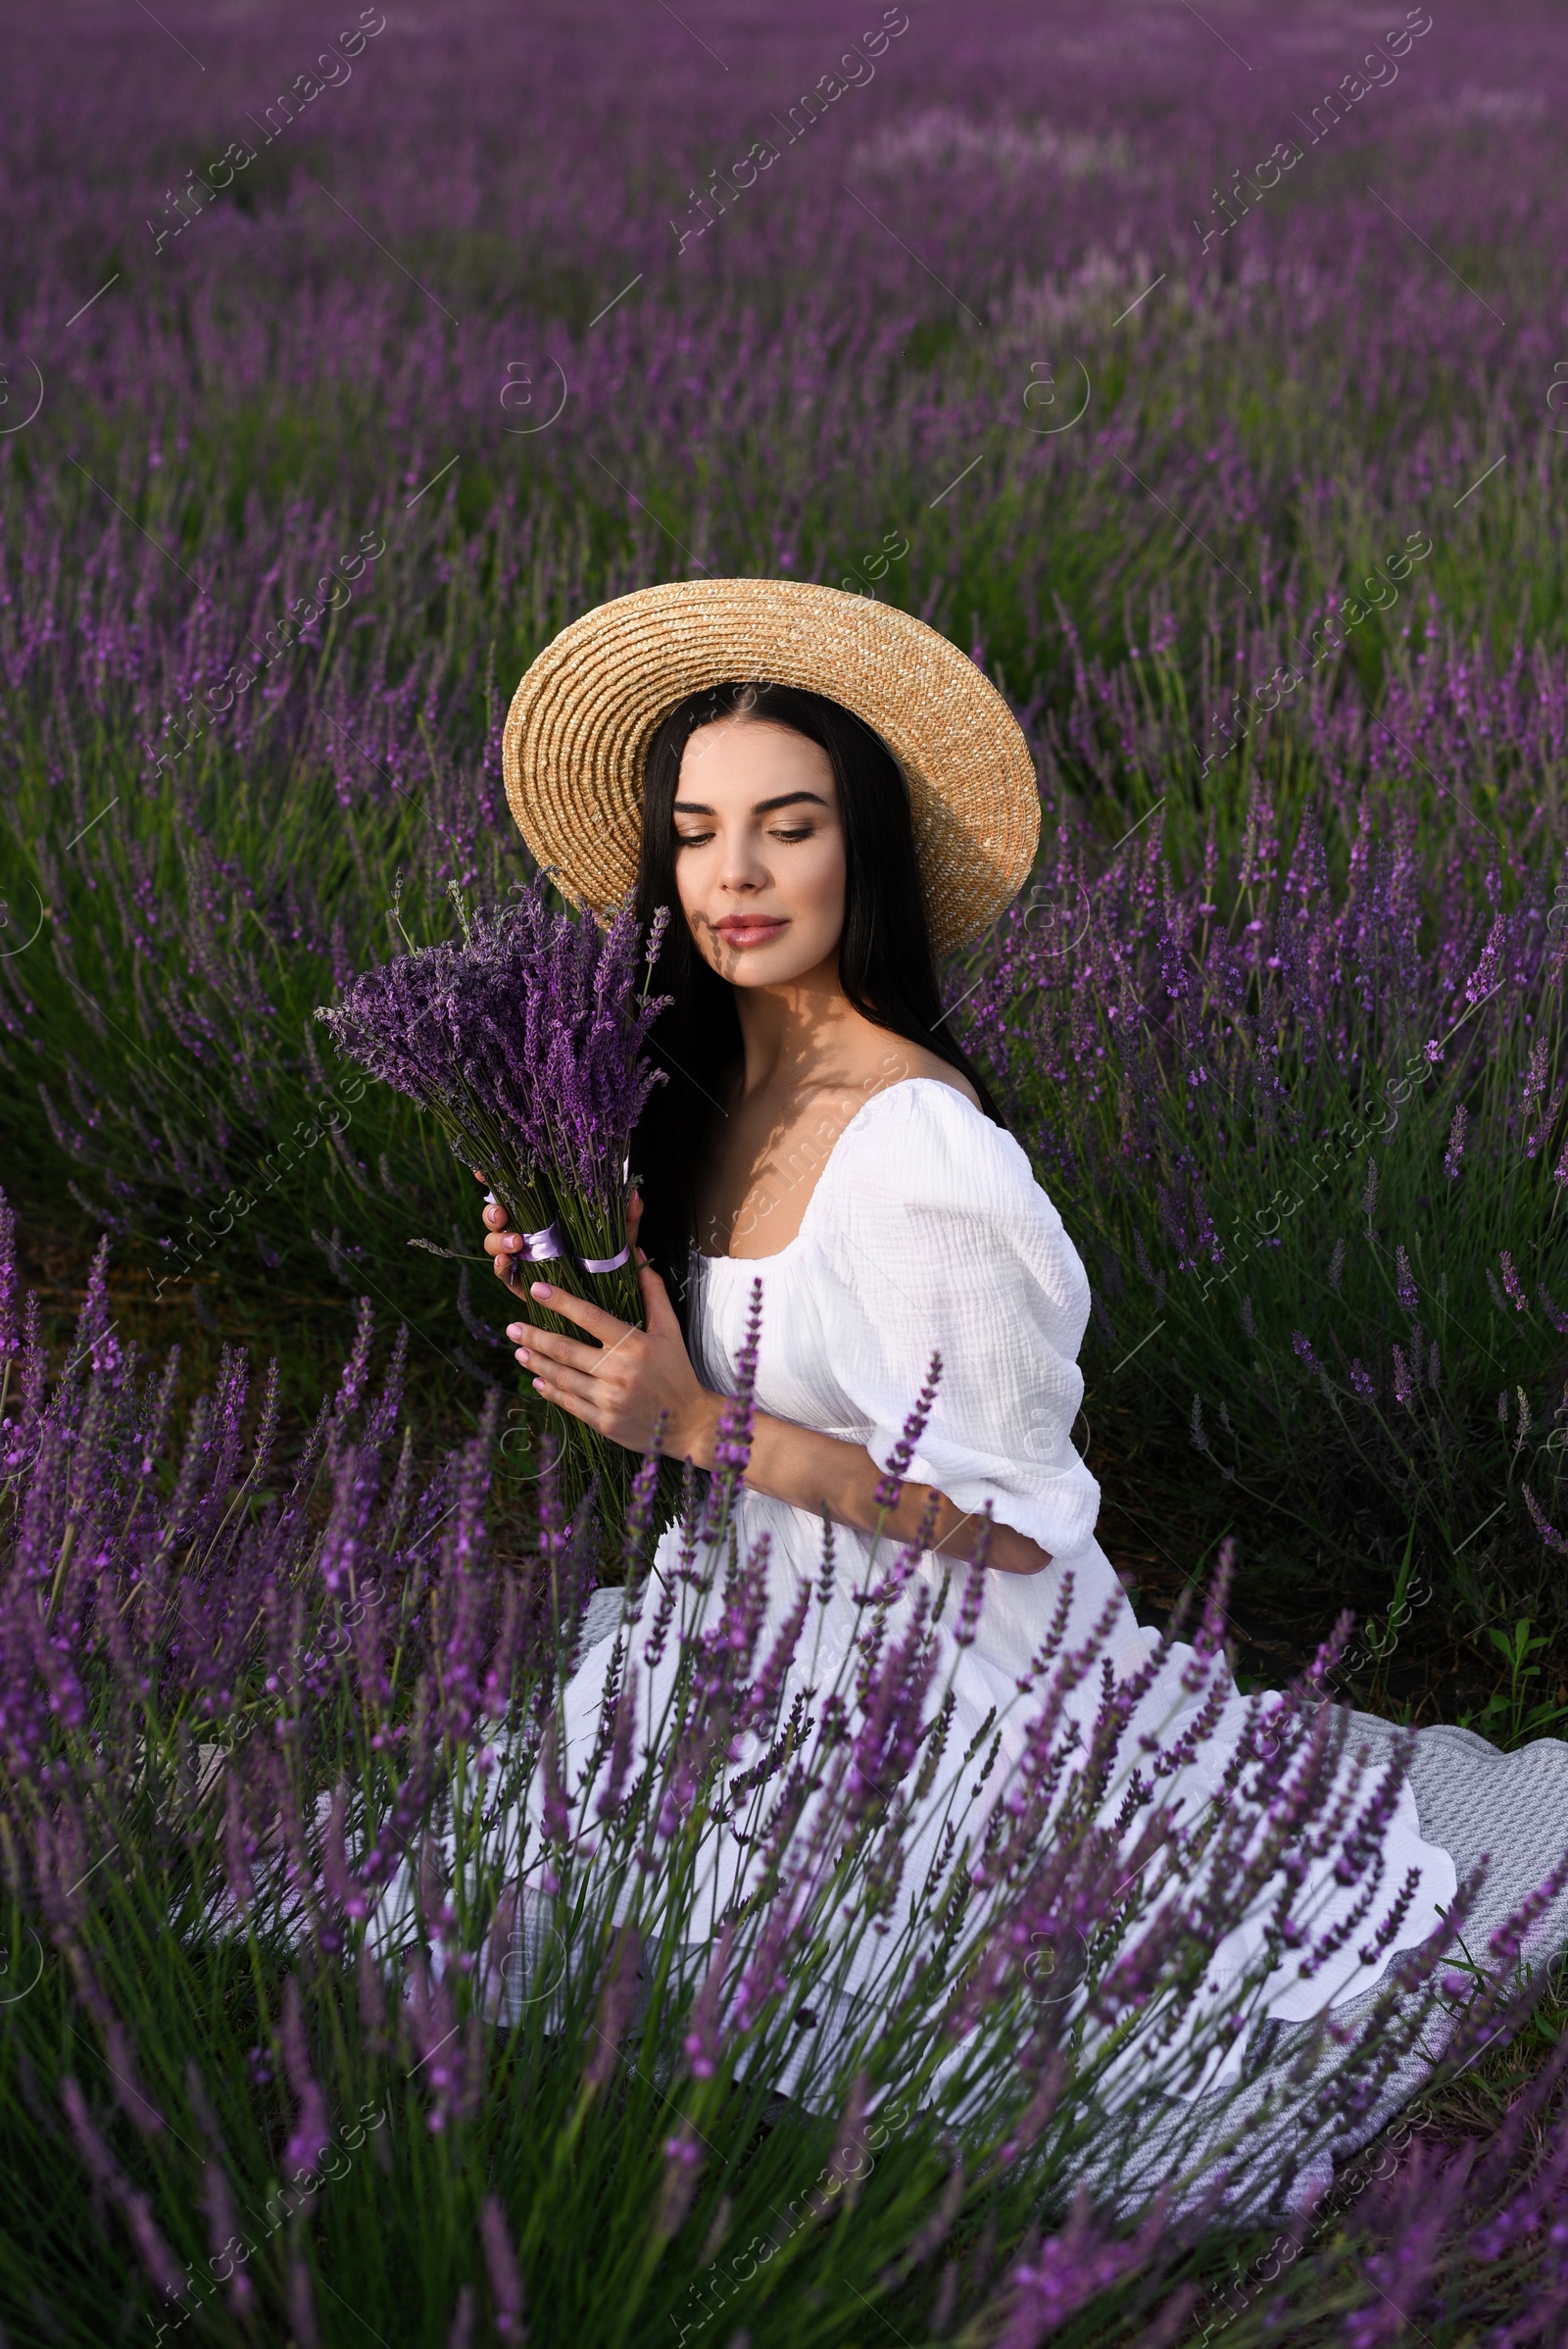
(886, 967)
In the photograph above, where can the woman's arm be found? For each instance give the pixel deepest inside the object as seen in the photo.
(814, 1472)
(620, 1385)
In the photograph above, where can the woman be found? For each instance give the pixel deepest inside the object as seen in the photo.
(822, 1131)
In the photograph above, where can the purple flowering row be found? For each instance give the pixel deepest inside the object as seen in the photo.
(285, 1728)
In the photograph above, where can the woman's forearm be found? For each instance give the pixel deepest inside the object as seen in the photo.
(814, 1471)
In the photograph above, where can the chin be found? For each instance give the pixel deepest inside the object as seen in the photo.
(770, 966)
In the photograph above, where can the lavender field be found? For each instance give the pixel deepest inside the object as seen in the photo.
(1205, 378)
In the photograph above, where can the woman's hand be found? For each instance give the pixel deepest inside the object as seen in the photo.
(620, 1385)
(502, 1246)
(623, 1384)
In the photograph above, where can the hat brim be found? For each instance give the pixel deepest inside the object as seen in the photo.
(575, 746)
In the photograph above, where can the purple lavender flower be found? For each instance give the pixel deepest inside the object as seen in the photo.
(1051, 2282)
(506, 2283)
(623, 1731)
(1418, 2211)
(302, 2304)
(312, 2130)
(1552, 1310)
(10, 1340)
(223, 2229)
(974, 1589)
(1454, 1154)
(95, 1336)
(557, 1807)
(529, 1043)
(616, 2000)
(891, 1481)
(149, 2239)
(351, 1386)
(683, 2163)
(701, 2030)
(439, 2040)
(532, 1034)
(733, 1446)
(1549, 1534)
(849, 2139)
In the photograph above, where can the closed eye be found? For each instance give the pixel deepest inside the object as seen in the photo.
(788, 834)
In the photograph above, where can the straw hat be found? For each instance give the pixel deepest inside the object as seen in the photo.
(577, 735)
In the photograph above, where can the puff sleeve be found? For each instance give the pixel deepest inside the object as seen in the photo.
(941, 1239)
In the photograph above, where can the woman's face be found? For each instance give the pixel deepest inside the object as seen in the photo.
(759, 857)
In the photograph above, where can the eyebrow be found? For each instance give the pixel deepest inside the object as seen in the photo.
(786, 799)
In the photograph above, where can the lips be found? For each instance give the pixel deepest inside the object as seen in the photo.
(741, 930)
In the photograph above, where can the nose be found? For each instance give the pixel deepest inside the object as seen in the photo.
(742, 871)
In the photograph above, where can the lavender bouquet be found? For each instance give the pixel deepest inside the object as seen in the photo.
(527, 1043)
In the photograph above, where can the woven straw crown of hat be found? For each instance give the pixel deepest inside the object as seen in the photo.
(575, 747)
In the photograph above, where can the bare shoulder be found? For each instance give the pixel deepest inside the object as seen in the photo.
(836, 1099)
(918, 1062)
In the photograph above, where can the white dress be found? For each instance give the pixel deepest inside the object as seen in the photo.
(927, 1232)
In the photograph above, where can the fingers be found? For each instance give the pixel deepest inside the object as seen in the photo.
(501, 1245)
(570, 1394)
(659, 1312)
(634, 1217)
(505, 1263)
(592, 1319)
(543, 1347)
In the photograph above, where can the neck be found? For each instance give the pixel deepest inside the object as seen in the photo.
(801, 1033)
